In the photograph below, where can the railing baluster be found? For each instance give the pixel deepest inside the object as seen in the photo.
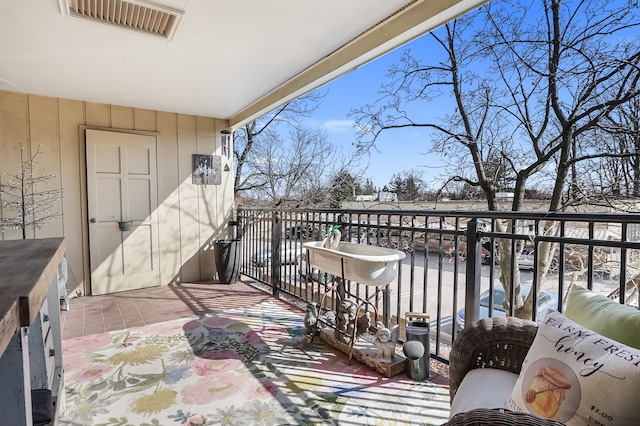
(474, 263)
(590, 257)
(623, 264)
(276, 242)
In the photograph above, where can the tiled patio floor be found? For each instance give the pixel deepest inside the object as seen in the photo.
(116, 311)
(97, 314)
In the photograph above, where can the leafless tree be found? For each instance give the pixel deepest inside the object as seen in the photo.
(290, 169)
(613, 181)
(25, 196)
(247, 139)
(565, 73)
(281, 161)
(529, 81)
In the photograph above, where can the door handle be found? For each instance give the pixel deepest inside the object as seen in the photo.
(92, 220)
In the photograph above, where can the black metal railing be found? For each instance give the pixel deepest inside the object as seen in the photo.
(458, 264)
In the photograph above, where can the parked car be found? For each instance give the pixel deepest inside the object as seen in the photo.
(526, 261)
(289, 253)
(546, 300)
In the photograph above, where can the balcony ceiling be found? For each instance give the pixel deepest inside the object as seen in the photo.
(230, 59)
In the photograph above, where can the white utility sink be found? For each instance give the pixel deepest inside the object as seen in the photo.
(364, 264)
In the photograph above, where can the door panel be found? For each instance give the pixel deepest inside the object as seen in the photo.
(141, 240)
(138, 162)
(140, 194)
(109, 203)
(121, 186)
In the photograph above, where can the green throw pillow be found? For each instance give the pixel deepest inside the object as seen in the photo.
(603, 315)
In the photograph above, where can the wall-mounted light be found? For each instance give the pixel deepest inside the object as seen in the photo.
(225, 142)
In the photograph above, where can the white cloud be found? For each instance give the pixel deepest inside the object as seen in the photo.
(340, 126)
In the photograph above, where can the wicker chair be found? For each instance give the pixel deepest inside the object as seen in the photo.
(495, 342)
(498, 417)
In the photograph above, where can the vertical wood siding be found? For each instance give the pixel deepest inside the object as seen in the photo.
(191, 216)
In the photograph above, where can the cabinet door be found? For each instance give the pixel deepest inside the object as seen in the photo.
(38, 377)
(15, 395)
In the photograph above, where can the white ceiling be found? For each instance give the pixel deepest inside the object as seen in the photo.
(231, 59)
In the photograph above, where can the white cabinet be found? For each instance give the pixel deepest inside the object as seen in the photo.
(30, 335)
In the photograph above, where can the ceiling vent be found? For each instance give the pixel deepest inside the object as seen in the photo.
(135, 15)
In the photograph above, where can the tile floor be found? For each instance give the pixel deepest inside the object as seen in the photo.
(116, 311)
(97, 314)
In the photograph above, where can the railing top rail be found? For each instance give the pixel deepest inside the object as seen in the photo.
(559, 216)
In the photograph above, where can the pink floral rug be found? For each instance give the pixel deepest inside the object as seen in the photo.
(251, 366)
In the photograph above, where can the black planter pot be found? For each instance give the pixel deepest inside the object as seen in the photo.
(227, 254)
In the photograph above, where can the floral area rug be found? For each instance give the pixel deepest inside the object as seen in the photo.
(251, 366)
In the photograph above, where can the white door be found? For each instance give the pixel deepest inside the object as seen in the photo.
(122, 186)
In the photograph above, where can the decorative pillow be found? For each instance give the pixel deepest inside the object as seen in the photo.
(604, 316)
(578, 377)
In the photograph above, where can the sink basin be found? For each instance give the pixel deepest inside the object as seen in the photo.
(364, 264)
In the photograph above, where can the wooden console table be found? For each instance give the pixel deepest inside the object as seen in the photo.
(30, 335)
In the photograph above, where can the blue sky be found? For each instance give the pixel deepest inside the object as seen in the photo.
(398, 150)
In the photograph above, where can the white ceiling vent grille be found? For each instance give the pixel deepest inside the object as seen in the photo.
(133, 15)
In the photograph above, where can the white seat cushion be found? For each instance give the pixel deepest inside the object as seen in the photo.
(483, 388)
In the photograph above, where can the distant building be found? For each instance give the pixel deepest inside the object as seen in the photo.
(381, 196)
(361, 198)
(504, 196)
(387, 197)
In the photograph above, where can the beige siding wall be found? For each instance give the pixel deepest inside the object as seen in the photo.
(191, 216)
